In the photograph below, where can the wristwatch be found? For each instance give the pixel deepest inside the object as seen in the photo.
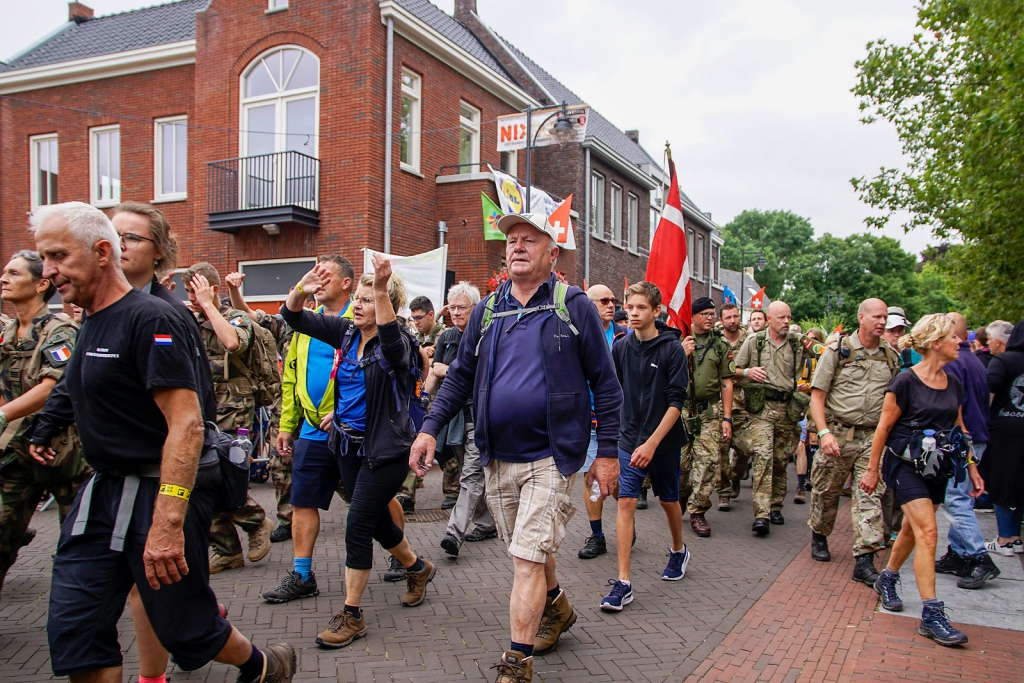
(727, 419)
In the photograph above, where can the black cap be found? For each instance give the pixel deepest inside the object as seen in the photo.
(620, 316)
(702, 304)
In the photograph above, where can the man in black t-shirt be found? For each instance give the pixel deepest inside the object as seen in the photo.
(143, 518)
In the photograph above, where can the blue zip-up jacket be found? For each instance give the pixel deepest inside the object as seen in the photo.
(571, 364)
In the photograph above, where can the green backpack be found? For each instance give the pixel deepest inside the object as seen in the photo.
(262, 371)
(557, 305)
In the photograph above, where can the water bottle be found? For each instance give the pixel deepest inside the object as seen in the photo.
(241, 449)
(595, 491)
(928, 443)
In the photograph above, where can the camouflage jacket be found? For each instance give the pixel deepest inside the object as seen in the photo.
(236, 408)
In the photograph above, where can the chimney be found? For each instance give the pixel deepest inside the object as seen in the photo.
(79, 13)
(463, 8)
(633, 135)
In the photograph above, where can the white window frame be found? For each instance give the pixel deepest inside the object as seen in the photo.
(94, 134)
(633, 222)
(616, 198)
(311, 260)
(276, 6)
(281, 99)
(512, 166)
(597, 204)
(689, 252)
(33, 143)
(158, 158)
(413, 92)
(699, 262)
(469, 125)
(716, 256)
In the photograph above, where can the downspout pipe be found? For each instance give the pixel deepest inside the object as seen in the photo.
(586, 215)
(389, 106)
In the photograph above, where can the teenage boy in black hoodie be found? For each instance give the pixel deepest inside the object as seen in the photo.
(651, 367)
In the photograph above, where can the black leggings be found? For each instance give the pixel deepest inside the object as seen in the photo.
(370, 490)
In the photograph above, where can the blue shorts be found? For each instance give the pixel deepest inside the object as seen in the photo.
(591, 452)
(663, 470)
(315, 474)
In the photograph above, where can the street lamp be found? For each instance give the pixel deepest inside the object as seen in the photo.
(760, 263)
(562, 130)
(829, 298)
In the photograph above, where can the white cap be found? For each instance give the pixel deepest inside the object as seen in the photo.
(537, 220)
(897, 318)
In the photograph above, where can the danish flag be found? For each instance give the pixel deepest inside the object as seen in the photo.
(669, 264)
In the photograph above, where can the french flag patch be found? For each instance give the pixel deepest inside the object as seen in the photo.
(60, 354)
(162, 339)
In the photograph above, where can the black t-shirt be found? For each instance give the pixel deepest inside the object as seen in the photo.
(922, 407)
(446, 348)
(124, 352)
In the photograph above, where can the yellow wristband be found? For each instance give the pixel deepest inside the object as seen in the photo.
(298, 287)
(175, 490)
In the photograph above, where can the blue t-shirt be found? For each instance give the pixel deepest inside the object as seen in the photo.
(609, 334)
(350, 387)
(319, 363)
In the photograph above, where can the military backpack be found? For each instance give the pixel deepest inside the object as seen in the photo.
(262, 370)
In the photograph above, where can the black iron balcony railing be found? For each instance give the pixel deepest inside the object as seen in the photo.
(263, 181)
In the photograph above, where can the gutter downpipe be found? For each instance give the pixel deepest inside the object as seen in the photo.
(388, 113)
(586, 215)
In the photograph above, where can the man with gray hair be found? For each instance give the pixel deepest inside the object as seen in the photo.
(998, 336)
(143, 519)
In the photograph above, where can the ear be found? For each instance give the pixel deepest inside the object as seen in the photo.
(104, 251)
(42, 285)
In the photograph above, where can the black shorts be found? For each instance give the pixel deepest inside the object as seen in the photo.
(315, 474)
(90, 584)
(907, 485)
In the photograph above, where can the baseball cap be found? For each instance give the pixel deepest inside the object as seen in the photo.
(537, 220)
(897, 318)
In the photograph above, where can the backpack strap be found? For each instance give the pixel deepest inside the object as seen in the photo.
(485, 323)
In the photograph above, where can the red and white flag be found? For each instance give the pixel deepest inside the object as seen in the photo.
(757, 301)
(669, 265)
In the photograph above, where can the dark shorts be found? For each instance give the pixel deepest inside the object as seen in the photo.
(315, 474)
(663, 470)
(907, 485)
(90, 584)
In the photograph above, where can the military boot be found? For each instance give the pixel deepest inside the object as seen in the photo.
(819, 548)
(219, 563)
(864, 571)
(558, 617)
(514, 667)
(259, 541)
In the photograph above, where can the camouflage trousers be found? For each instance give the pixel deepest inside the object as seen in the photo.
(700, 462)
(280, 471)
(827, 478)
(21, 489)
(223, 536)
(451, 471)
(770, 437)
(732, 471)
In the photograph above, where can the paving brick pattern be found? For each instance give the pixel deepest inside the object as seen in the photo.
(462, 627)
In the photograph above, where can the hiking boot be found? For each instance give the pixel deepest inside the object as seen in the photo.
(481, 534)
(342, 629)
(676, 567)
(936, 626)
(279, 664)
(408, 504)
(775, 517)
(620, 596)
(980, 570)
(448, 503)
(735, 489)
(641, 501)
(259, 541)
(292, 587)
(864, 571)
(515, 667)
(281, 533)
(819, 548)
(952, 563)
(417, 582)
(761, 527)
(219, 563)
(594, 546)
(886, 587)
(800, 497)
(450, 545)
(723, 504)
(396, 571)
(699, 525)
(558, 617)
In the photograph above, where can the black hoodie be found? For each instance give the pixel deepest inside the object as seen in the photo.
(1005, 381)
(654, 377)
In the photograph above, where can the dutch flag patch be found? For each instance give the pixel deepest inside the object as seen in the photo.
(162, 339)
(60, 354)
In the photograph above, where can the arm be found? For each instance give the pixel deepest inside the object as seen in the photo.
(382, 302)
(743, 360)
(972, 467)
(437, 372)
(207, 297)
(291, 411)
(234, 283)
(726, 408)
(829, 445)
(599, 371)
(56, 414)
(32, 401)
(890, 414)
(164, 556)
(644, 453)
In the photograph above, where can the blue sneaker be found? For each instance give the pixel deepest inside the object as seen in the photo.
(936, 626)
(886, 587)
(676, 567)
(620, 596)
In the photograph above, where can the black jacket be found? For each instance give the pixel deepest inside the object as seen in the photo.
(654, 378)
(389, 431)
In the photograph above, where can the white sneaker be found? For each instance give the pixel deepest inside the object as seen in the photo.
(1018, 546)
(1005, 550)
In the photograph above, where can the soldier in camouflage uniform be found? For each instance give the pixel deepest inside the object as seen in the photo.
(729, 478)
(227, 333)
(36, 347)
(710, 406)
(771, 360)
(846, 402)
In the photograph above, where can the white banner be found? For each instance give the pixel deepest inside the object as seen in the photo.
(512, 128)
(423, 274)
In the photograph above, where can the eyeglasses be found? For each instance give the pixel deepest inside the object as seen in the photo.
(418, 318)
(130, 240)
(606, 300)
(458, 309)
(364, 301)
(710, 313)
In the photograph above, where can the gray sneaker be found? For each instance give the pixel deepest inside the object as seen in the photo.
(292, 587)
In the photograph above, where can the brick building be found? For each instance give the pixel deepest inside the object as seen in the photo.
(261, 129)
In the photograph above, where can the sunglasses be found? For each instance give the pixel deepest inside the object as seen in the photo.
(606, 300)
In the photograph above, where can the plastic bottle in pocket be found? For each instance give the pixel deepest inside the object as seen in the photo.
(241, 449)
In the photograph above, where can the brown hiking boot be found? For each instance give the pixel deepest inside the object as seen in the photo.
(417, 582)
(219, 563)
(280, 664)
(259, 541)
(800, 497)
(514, 668)
(558, 617)
(699, 525)
(342, 630)
(724, 505)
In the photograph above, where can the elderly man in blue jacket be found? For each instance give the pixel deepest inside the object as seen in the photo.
(530, 352)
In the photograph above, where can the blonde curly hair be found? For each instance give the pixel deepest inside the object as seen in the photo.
(396, 289)
(928, 330)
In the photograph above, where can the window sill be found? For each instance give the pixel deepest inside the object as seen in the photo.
(275, 10)
(106, 203)
(618, 245)
(634, 252)
(169, 199)
(599, 238)
(411, 171)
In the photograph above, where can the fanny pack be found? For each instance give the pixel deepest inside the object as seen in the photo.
(947, 459)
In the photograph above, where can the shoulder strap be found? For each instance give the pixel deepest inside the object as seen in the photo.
(485, 323)
(759, 340)
(561, 310)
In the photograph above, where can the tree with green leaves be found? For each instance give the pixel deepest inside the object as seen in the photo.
(781, 235)
(955, 94)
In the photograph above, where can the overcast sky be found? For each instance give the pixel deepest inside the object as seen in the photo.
(754, 95)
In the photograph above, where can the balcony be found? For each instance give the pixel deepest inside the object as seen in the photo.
(269, 189)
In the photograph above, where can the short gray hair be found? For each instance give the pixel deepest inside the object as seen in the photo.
(1000, 329)
(465, 289)
(88, 224)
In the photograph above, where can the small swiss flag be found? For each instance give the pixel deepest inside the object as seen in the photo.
(559, 220)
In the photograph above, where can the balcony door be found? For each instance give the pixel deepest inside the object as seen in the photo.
(280, 123)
